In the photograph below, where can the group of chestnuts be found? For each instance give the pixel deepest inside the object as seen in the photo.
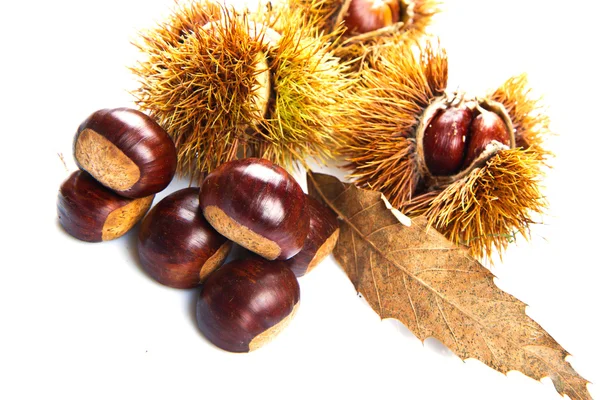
(125, 158)
(458, 135)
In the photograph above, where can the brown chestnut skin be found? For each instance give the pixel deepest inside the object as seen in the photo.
(90, 212)
(444, 140)
(126, 151)
(245, 303)
(176, 245)
(258, 205)
(322, 236)
(369, 15)
(486, 126)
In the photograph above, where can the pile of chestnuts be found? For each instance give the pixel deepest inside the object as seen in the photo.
(124, 159)
(185, 240)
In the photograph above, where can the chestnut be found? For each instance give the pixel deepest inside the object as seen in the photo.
(444, 140)
(246, 303)
(176, 245)
(88, 211)
(486, 126)
(126, 151)
(258, 205)
(456, 136)
(322, 237)
(370, 15)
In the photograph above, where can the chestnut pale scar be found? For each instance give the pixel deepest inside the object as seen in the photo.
(105, 161)
(214, 261)
(241, 234)
(323, 251)
(268, 335)
(262, 89)
(122, 219)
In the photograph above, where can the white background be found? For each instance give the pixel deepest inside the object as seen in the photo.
(83, 321)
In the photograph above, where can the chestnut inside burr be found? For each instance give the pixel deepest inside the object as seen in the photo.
(105, 161)
(240, 234)
(445, 140)
(457, 135)
(261, 92)
(486, 127)
(365, 16)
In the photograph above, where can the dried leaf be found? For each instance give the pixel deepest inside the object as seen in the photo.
(435, 288)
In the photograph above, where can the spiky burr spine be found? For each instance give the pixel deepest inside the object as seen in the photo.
(328, 17)
(487, 202)
(204, 80)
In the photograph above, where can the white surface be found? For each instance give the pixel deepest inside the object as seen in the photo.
(82, 321)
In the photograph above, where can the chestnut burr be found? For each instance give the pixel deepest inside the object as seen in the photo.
(176, 245)
(244, 304)
(88, 211)
(258, 205)
(322, 238)
(126, 151)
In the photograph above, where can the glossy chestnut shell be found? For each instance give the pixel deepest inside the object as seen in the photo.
(90, 212)
(456, 137)
(322, 238)
(486, 126)
(245, 303)
(445, 138)
(370, 15)
(176, 245)
(126, 151)
(258, 205)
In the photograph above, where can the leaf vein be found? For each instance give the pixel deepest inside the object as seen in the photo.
(437, 302)
(412, 306)
(375, 283)
(383, 228)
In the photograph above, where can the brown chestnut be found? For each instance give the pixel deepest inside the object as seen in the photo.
(246, 303)
(487, 126)
(258, 205)
(88, 211)
(444, 140)
(322, 237)
(126, 151)
(176, 245)
(369, 15)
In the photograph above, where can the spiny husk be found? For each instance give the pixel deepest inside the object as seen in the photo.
(483, 210)
(327, 16)
(201, 86)
(309, 82)
(490, 206)
(382, 114)
(528, 116)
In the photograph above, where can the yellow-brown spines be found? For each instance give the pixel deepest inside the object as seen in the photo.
(485, 204)
(201, 82)
(383, 113)
(328, 16)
